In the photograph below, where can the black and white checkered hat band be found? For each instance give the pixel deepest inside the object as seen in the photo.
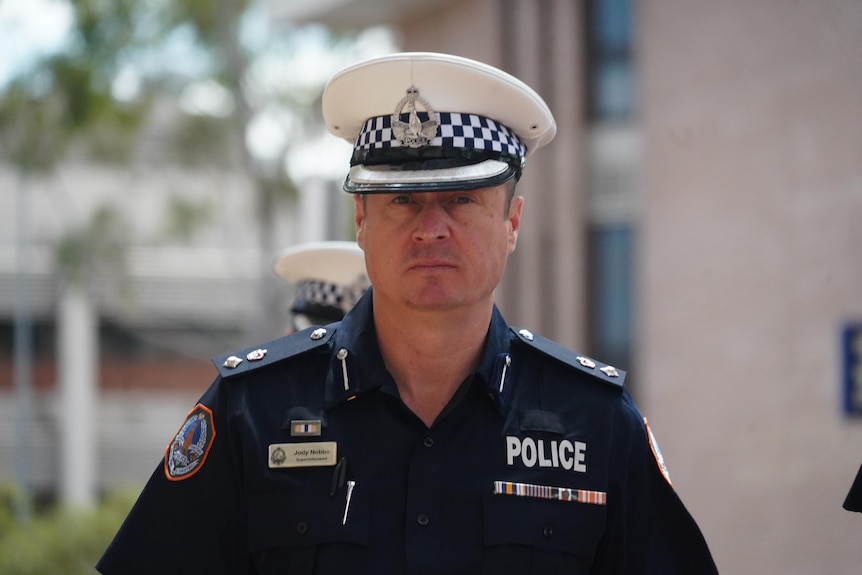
(455, 130)
(318, 293)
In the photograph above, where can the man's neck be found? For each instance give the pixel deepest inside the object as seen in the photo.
(430, 353)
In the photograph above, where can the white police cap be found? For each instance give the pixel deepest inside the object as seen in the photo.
(329, 277)
(421, 121)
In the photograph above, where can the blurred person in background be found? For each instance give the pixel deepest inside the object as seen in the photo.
(421, 434)
(328, 278)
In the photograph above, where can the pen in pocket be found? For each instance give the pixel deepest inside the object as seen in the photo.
(350, 485)
(339, 474)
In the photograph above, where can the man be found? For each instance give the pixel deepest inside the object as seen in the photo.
(328, 278)
(421, 434)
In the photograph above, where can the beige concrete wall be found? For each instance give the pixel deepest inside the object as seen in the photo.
(750, 262)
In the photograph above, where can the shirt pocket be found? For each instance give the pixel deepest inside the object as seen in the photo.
(304, 533)
(533, 535)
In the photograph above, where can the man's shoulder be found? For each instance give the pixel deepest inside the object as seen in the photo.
(256, 357)
(581, 363)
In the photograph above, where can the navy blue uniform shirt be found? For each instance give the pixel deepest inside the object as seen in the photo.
(302, 459)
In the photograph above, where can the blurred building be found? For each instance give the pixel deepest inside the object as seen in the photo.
(169, 261)
(749, 270)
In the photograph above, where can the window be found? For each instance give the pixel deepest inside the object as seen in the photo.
(614, 157)
(610, 82)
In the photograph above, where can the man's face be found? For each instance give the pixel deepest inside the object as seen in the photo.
(437, 250)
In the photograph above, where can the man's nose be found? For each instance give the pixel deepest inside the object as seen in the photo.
(432, 222)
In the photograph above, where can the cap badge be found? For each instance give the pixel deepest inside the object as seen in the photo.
(414, 133)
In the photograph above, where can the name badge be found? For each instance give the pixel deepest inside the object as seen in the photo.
(311, 454)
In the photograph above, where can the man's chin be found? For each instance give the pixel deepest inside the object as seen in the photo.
(434, 299)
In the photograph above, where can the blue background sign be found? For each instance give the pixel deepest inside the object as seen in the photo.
(851, 346)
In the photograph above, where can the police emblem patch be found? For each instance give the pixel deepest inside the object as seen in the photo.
(659, 458)
(187, 452)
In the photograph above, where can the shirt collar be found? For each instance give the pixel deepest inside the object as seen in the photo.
(356, 354)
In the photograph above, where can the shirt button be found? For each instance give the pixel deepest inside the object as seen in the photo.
(428, 442)
(422, 520)
(548, 531)
(302, 527)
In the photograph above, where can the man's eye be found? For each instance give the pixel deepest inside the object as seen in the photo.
(401, 200)
(463, 199)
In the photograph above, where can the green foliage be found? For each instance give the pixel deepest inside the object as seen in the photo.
(207, 16)
(113, 139)
(59, 541)
(84, 102)
(103, 28)
(65, 100)
(27, 134)
(184, 218)
(202, 141)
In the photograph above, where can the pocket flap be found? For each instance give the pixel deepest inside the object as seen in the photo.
(544, 524)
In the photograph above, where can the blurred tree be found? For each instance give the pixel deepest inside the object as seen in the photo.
(79, 103)
(93, 101)
(68, 95)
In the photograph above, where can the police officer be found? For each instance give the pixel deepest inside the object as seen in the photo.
(421, 434)
(328, 278)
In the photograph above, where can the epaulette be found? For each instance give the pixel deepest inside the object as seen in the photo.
(237, 363)
(601, 371)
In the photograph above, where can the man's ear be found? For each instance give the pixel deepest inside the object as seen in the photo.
(514, 218)
(359, 219)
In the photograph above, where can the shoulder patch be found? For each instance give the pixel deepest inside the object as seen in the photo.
(656, 451)
(601, 371)
(189, 448)
(233, 364)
